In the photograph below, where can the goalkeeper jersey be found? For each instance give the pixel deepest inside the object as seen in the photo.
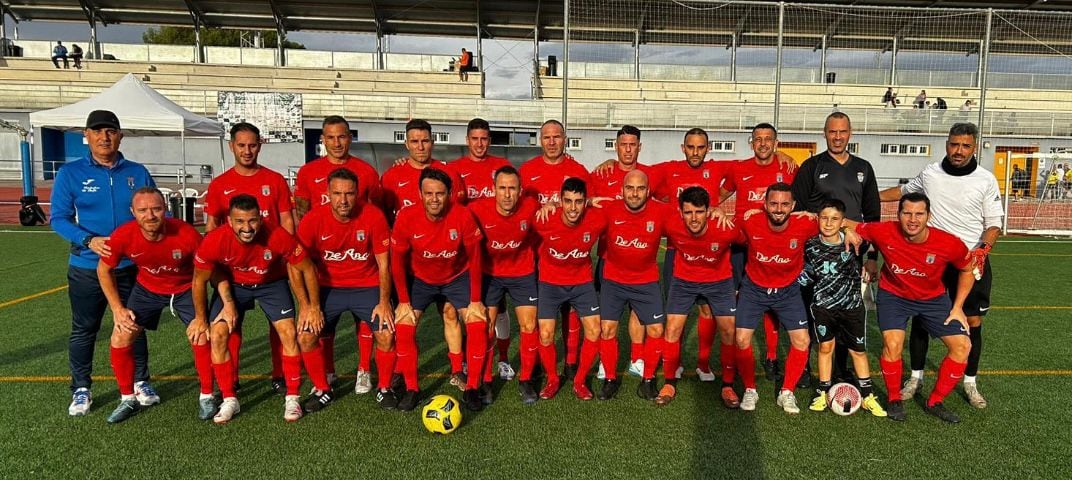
(834, 274)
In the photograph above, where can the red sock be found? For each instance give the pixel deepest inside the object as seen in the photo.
(385, 366)
(948, 375)
(653, 351)
(406, 346)
(327, 351)
(794, 368)
(549, 360)
(476, 347)
(671, 359)
(456, 360)
(530, 345)
(503, 345)
(489, 364)
(292, 372)
(314, 367)
(636, 351)
(573, 337)
(729, 365)
(770, 329)
(364, 346)
(608, 354)
(123, 366)
(203, 365)
(234, 347)
(891, 372)
(705, 334)
(225, 378)
(746, 365)
(276, 347)
(589, 349)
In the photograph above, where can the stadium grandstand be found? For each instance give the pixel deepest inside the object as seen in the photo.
(663, 65)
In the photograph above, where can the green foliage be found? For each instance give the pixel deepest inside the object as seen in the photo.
(212, 37)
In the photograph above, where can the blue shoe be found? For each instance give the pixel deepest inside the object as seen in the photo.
(80, 402)
(125, 410)
(206, 408)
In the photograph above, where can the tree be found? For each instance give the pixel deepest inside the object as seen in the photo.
(212, 37)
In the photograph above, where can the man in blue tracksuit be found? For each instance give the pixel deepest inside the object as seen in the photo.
(90, 198)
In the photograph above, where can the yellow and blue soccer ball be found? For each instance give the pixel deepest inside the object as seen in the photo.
(442, 414)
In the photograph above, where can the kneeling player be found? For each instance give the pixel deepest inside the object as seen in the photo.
(701, 270)
(163, 250)
(348, 243)
(565, 273)
(256, 260)
(838, 306)
(914, 257)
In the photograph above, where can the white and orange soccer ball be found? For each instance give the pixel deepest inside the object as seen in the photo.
(845, 399)
(442, 414)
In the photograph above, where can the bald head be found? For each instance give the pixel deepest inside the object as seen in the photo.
(635, 190)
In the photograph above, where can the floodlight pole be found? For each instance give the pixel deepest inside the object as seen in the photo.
(733, 57)
(893, 64)
(778, 70)
(565, 63)
(822, 62)
(984, 57)
(636, 55)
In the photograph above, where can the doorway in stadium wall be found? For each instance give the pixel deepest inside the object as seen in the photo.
(1003, 167)
(800, 151)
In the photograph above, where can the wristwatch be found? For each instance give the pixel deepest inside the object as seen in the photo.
(86, 240)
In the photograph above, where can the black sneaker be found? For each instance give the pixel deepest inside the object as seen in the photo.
(568, 371)
(471, 400)
(317, 400)
(279, 386)
(386, 399)
(487, 397)
(770, 368)
(408, 402)
(940, 411)
(610, 389)
(896, 412)
(646, 389)
(398, 384)
(529, 395)
(805, 377)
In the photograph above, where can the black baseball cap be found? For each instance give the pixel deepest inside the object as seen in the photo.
(102, 118)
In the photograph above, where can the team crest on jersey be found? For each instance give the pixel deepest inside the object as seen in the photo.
(706, 174)
(266, 190)
(930, 258)
(130, 182)
(845, 256)
(650, 227)
(793, 243)
(587, 237)
(453, 234)
(822, 330)
(779, 178)
(176, 254)
(714, 247)
(524, 225)
(267, 254)
(361, 235)
(860, 176)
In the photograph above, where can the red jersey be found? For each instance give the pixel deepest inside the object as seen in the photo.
(478, 176)
(703, 258)
(677, 175)
(165, 266)
(345, 252)
(610, 184)
(266, 185)
(544, 181)
(630, 246)
(775, 259)
(508, 240)
(914, 270)
(439, 251)
(312, 182)
(565, 252)
(400, 186)
(254, 263)
(750, 181)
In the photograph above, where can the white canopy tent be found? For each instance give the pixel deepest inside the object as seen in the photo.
(142, 111)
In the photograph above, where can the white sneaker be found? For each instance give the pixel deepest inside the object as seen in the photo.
(705, 376)
(911, 386)
(749, 400)
(602, 373)
(80, 402)
(364, 382)
(506, 372)
(974, 397)
(146, 394)
(292, 410)
(788, 401)
(228, 409)
(636, 368)
(332, 378)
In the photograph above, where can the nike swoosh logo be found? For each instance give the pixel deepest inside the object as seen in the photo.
(745, 179)
(733, 309)
(537, 177)
(228, 192)
(489, 227)
(418, 236)
(228, 259)
(402, 184)
(658, 316)
(619, 222)
(981, 309)
(326, 237)
(463, 175)
(805, 322)
(533, 299)
(757, 238)
(136, 255)
(320, 180)
(611, 184)
(284, 312)
(554, 237)
(594, 308)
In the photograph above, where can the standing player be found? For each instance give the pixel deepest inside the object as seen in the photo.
(439, 244)
(163, 249)
(702, 270)
(565, 277)
(966, 203)
(272, 193)
(91, 198)
(510, 268)
(348, 243)
(914, 259)
(311, 192)
(255, 259)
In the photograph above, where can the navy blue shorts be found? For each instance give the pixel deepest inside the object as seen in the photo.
(978, 301)
(422, 294)
(274, 298)
(147, 306)
(786, 303)
(720, 295)
(894, 312)
(645, 299)
(523, 290)
(738, 256)
(554, 297)
(360, 302)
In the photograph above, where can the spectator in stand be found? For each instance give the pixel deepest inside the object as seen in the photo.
(921, 99)
(966, 107)
(890, 98)
(76, 55)
(464, 63)
(59, 52)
